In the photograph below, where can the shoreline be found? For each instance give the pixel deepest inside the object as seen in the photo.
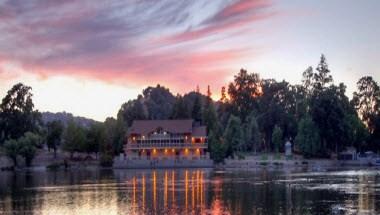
(310, 164)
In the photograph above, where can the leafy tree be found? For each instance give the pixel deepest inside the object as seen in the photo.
(133, 110)
(277, 138)
(24, 146)
(12, 150)
(307, 139)
(307, 80)
(159, 102)
(328, 110)
(27, 146)
(95, 138)
(367, 101)
(278, 106)
(54, 135)
(357, 134)
(252, 136)
(243, 93)
(17, 115)
(233, 135)
(114, 136)
(74, 138)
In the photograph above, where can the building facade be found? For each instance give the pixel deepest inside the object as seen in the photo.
(166, 139)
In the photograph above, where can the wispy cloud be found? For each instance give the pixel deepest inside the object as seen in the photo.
(139, 41)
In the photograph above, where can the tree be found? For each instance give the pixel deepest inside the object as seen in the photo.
(17, 115)
(54, 135)
(74, 138)
(243, 92)
(12, 150)
(159, 102)
(307, 139)
(95, 137)
(277, 138)
(28, 147)
(233, 135)
(133, 110)
(217, 147)
(357, 134)
(367, 101)
(307, 80)
(328, 109)
(223, 95)
(196, 112)
(24, 146)
(114, 134)
(252, 136)
(180, 110)
(322, 77)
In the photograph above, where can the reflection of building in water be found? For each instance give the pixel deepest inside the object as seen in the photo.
(166, 139)
(163, 192)
(366, 198)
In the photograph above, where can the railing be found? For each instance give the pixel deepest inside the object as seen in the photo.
(165, 145)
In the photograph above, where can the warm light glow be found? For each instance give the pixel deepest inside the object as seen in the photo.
(186, 150)
(173, 150)
(166, 151)
(154, 151)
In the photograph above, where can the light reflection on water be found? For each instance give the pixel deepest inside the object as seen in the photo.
(192, 191)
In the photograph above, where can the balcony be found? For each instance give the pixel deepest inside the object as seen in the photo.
(162, 145)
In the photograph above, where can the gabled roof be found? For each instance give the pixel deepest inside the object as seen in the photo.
(143, 127)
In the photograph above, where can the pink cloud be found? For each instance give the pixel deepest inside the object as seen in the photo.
(111, 41)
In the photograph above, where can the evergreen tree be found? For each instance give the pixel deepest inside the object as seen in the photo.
(307, 140)
(252, 136)
(217, 146)
(180, 110)
(322, 78)
(233, 136)
(196, 112)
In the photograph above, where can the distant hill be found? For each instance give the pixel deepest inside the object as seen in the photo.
(66, 117)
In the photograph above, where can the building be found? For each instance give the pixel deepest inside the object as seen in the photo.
(166, 139)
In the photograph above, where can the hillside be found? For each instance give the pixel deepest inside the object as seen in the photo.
(66, 117)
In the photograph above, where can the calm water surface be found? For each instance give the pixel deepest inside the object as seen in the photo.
(192, 191)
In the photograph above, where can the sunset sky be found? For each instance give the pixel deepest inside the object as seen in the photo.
(88, 57)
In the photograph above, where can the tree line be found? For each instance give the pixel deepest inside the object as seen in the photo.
(252, 115)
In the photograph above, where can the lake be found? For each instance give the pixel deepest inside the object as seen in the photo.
(191, 191)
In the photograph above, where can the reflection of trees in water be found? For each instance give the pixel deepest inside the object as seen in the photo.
(179, 192)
